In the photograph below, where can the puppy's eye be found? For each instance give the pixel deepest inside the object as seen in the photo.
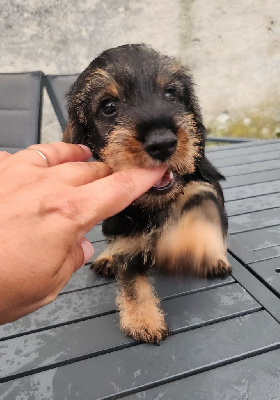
(170, 94)
(109, 107)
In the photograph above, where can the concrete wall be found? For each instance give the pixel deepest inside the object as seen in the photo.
(232, 48)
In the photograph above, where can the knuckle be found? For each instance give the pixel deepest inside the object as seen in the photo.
(51, 150)
(64, 204)
(25, 173)
(95, 170)
(68, 208)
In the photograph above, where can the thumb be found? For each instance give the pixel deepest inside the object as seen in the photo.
(80, 255)
(88, 251)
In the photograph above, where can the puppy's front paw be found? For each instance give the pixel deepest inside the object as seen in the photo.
(221, 268)
(105, 267)
(140, 314)
(194, 246)
(144, 329)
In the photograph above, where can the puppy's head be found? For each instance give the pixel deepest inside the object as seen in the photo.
(136, 108)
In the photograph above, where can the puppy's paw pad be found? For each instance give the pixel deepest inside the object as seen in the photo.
(222, 269)
(105, 267)
(148, 334)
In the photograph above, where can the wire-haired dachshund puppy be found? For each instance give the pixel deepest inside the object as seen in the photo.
(135, 107)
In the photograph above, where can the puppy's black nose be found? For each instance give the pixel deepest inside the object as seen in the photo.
(160, 143)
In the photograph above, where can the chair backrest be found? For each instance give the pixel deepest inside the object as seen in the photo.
(20, 110)
(57, 86)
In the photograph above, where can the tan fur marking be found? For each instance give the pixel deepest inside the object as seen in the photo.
(129, 247)
(168, 69)
(108, 91)
(106, 254)
(193, 245)
(125, 151)
(164, 81)
(189, 139)
(140, 315)
(190, 190)
(104, 265)
(101, 74)
(102, 81)
(112, 90)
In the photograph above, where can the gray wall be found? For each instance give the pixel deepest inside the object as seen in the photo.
(232, 48)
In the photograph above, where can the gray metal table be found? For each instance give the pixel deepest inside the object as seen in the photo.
(225, 334)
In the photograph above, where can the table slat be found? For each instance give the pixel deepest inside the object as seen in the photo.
(139, 367)
(255, 378)
(101, 335)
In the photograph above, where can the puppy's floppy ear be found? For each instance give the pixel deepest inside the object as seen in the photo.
(68, 133)
(192, 106)
(209, 172)
(77, 133)
(74, 133)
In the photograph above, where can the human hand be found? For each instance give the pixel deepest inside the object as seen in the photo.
(46, 207)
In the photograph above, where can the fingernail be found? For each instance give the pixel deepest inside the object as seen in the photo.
(86, 149)
(88, 250)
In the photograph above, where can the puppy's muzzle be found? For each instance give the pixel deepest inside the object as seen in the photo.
(160, 144)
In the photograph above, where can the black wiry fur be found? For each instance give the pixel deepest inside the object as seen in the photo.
(136, 108)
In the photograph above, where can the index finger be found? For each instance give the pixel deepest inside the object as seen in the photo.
(108, 196)
(55, 153)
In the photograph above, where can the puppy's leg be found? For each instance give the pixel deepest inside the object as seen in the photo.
(105, 264)
(140, 315)
(196, 243)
